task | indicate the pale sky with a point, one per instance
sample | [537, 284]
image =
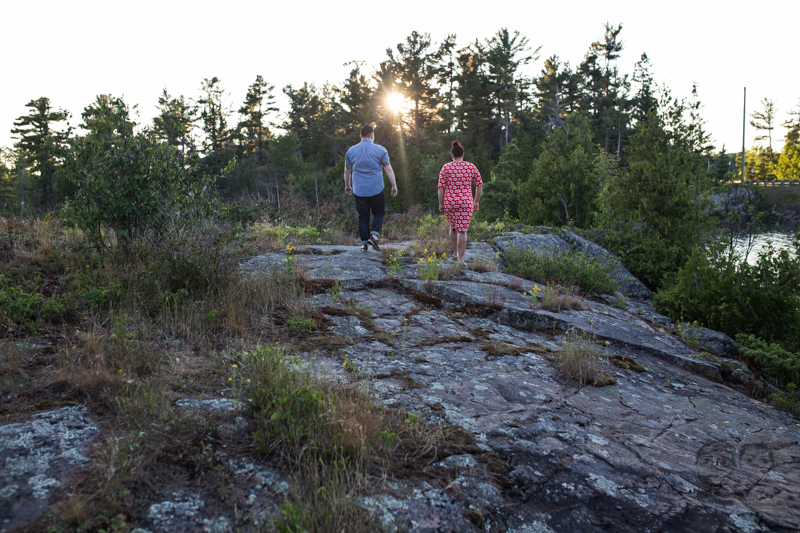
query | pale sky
[72, 51]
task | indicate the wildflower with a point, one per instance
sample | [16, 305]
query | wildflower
[248, 381]
[120, 370]
[230, 379]
[234, 366]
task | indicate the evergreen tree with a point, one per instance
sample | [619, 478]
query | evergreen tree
[556, 92]
[258, 105]
[644, 99]
[305, 107]
[355, 97]
[175, 122]
[39, 143]
[656, 205]
[764, 121]
[415, 70]
[566, 178]
[214, 115]
[788, 167]
[474, 114]
[7, 158]
[505, 54]
[604, 91]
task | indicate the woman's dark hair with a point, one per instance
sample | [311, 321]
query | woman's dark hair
[457, 150]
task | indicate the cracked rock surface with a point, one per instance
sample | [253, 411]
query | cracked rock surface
[665, 446]
[669, 448]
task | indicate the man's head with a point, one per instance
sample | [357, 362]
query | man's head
[367, 132]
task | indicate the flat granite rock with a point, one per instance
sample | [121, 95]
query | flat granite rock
[36, 456]
[665, 448]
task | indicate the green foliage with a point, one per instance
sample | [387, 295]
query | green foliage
[299, 235]
[718, 287]
[655, 208]
[566, 178]
[568, 269]
[301, 324]
[17, 305]
[125, 180]
[781, 364]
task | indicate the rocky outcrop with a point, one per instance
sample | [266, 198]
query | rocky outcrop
[667, 447]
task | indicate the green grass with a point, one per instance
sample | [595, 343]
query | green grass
[568, 269]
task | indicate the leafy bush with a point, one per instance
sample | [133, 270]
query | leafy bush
[124, 180]
[572, 268]
[780, 363]
[720, 289]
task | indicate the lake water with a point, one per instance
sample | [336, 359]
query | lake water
[781, 238]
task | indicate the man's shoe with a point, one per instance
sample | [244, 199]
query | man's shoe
[373, 240]
[365, 247]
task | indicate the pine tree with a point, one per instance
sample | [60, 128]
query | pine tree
[644, 99]
[355, 97]
[505, 54]
[175, 122]
[764, 121]
[788, 167]
[258, 105]
[39, 143]
[556, 91]
[604, 91]
[415, 69]
[214, 114]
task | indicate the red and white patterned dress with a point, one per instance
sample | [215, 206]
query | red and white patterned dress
[456, 179]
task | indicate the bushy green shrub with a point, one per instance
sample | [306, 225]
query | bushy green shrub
[781, 364]
[720, 289]
[563, 268]
[125, 180]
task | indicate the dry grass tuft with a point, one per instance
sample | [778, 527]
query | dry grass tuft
[578, 359]
[556, 299]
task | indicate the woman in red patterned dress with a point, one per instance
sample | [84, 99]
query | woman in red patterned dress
[455, 197]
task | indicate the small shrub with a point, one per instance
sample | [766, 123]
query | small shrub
[301, 324]
[781, 364]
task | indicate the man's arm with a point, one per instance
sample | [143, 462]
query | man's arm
[348, 174]
[478, 191]
[387, 167]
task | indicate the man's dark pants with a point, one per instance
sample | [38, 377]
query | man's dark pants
[377, 205]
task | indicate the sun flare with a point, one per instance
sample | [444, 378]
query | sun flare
[396, 101]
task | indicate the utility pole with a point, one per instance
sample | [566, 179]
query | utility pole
[744, 121]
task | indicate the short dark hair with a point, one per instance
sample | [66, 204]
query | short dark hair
[457, 150]
[366, 130]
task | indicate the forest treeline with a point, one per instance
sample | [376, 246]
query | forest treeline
[586, 147]
[479, 94]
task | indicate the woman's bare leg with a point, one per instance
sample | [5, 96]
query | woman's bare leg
[462, 244]
[453, 235]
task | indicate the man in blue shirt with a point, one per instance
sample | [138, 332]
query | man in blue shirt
[364, 165]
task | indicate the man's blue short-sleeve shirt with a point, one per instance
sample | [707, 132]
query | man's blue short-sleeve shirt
[367, 160]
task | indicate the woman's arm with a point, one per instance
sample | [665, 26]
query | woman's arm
[478, 191]
[441, 198]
